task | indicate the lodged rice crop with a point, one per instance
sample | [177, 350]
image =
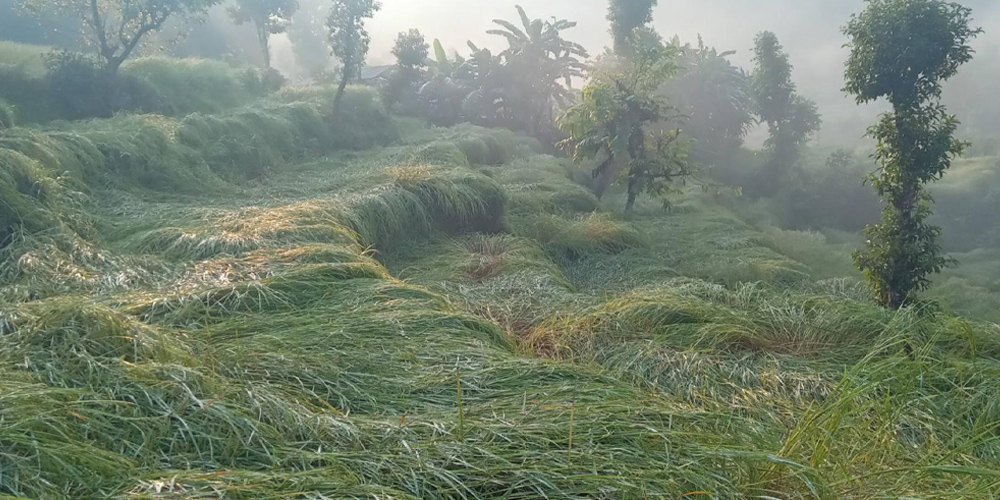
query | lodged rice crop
[450, 315]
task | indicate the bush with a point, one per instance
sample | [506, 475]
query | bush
[78, 85]
[260, 82]
[177, 87]
[362, 121]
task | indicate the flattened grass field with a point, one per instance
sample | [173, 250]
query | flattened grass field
[462, 278]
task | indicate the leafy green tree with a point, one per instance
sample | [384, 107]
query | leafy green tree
[791, 119]
[115, 28]
[902, 50]
[625, 16]
[714, 96]
[349, 39]
[411, 51]
[269, 17]
[539, 68]
[613, 121]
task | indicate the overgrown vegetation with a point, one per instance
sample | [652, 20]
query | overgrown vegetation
[791, 119]
[47, 86]
[916, 140]
[256, 293]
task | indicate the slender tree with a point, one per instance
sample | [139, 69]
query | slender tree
[411, 51]
[349, 39]
[614, 119]
[903, 50]
[269, 17]
[115, 28]
[791, 119]
[625, 16]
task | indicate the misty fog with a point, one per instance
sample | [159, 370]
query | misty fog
[810, 32]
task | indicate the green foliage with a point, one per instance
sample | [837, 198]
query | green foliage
[520, 88]
[349, 39]
[117, 27]
[23, 58]
[791, 119]
[246, 342]
[177, 87]
[916, 141]
[715, 98]
[625, 17]
[411, 51]
[43, 174]
[612, 118]
[73, 86]
[879, 68]
[269, 17]
[79, 86]
[261, 82]
[534, 73]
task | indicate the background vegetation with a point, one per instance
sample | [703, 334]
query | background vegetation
[217, 284]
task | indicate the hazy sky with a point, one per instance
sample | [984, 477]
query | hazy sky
[809, 30]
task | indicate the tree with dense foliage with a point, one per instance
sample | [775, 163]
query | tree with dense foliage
[625, 17]
[442, 96]
[523, 87]
[115, 28]
[411, 51]
[714, 96]
[613, 119]
[791, 119]
[903, 50]
[269, 17]
[349, 39]
[540, 65]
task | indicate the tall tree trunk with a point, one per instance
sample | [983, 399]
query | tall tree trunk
[633, 193]
[905, 204]
[340, 91]
[605, 176]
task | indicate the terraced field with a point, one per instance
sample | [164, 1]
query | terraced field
[262, 305]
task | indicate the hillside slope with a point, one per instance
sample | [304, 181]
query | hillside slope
[452, 316]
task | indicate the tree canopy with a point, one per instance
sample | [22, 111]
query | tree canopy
[714, 97]
[791, 119]
[613, 121]
[625, 16]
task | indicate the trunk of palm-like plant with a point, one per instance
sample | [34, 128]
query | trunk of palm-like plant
[264, 38]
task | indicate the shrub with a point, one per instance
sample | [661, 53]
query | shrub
[178, 87]
[263, 81]
[78, 85]
[362, 120]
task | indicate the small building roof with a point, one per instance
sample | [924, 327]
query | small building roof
[373, 72]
